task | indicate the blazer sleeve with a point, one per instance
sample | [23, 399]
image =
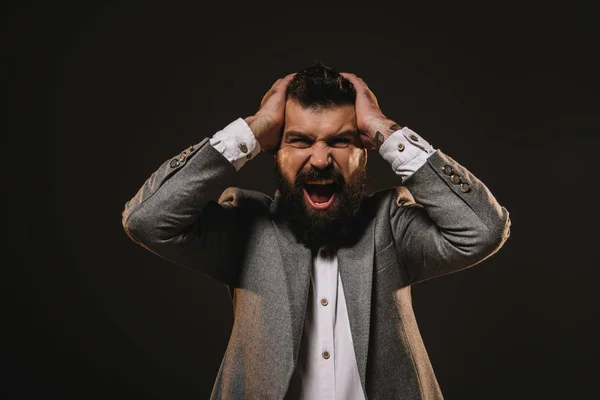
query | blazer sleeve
[454, 223]
[176, 213]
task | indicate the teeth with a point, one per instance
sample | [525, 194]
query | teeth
[320, 182]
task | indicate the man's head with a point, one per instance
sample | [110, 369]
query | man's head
[321, 163]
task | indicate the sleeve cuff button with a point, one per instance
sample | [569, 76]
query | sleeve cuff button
[243, 147]
[454, 178]
[174, 163]
[447, 170]
[400, 146]
[464, 187]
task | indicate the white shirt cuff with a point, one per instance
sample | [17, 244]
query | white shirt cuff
[236, 142]
[406, 151]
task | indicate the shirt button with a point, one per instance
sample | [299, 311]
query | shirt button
[326, 355]
[323, 253]
[324, 302]
[243, 147]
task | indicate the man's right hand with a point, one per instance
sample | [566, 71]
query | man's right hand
[267, 123]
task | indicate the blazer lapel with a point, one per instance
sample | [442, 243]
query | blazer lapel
[296, 267]
[355, 263]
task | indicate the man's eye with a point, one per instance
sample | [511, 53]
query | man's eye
[301, 141]
[340, 141]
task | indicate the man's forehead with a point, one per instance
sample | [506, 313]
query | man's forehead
[330, 120]
[294, 106]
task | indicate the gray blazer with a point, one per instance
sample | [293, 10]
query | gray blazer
[430, 226]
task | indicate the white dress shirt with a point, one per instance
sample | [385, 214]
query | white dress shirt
[326, 367]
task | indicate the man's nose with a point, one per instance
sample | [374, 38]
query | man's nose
[321, 156]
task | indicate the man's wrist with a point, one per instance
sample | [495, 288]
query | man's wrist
[380, 129]
[406, 151]
[254, 124]
[262, 129]
[236, 142]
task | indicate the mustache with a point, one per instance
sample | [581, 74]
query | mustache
[314, 173]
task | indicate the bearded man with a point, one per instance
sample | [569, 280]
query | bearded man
[320, 275]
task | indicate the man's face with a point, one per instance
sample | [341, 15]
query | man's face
[321, 167]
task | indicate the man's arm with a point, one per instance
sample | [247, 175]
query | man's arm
[175, 213]
[454, 221]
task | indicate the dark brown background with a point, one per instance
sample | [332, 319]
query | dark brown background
[100, 95]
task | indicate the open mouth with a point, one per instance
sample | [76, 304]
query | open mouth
[320, 193]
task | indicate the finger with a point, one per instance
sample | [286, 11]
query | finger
[279, 84]
[359, 84]
[287, 79]
[363, 82]
[276, 83]
[352, 78]
[271, 90]
[268, 95]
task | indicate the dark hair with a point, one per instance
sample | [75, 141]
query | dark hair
[319, 87]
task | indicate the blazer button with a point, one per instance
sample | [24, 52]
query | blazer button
[324, 302]
[400, 146]
[174, 163]
[464, 187]
[243, 147]
[454, 178]
[326, 355]
[447, 170]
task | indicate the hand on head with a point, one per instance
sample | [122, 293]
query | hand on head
[267, 123]
[367, 109]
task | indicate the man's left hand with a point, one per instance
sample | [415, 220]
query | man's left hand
[374, 127]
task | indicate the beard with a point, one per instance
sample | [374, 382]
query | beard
[317, 227]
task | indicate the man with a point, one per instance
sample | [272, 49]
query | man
[320, 275]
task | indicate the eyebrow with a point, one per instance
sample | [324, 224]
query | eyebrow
[348, 132]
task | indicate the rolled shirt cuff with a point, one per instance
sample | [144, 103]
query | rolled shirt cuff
[236, 142]
[406, 151]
